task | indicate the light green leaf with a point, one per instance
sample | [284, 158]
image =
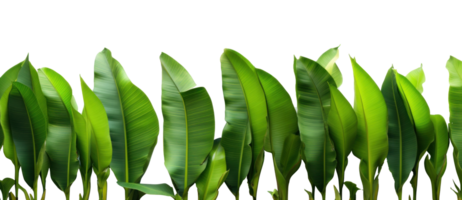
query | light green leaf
[436, 165]
[28, 128]
[402, 140]
[61, 138]
[371, 144]
[5, 185]
[313, 97]
[342, 129]
[133, 122]
[417, 78]
[151, 189]
[83, 148]
[327, 56]
[214, 174]
[352, 189]
[189, 125]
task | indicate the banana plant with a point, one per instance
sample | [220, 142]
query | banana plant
[313, 102]
[100, 147]
[402, 140]
[246, 121]
[83, 149]
[454, 67]
[327, 60]
[189, 125]
[133, 123]
[435, 166]
[214, 174]
[371, 145]
[419, 113]
[284, 138]
[151, 189]
[6, 187]
[24, 121]
[343, 125]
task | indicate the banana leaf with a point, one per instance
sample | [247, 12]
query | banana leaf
[284, 138]
[133, 122]
[417, 78]
[371, 145]
[83, 149]
[352, 189]
[61, 139]
[214, 174]
[246, 126]
[402, 140]
[313, 101]
[327, 60]
[189, 125]
[343, 125]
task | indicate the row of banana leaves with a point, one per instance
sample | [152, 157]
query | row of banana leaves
[44, 132]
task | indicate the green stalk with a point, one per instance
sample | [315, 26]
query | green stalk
[102, 189]
[415, 173]
[67, 193]
[16, 179]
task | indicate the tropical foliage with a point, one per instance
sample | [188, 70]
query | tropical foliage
[44, 132]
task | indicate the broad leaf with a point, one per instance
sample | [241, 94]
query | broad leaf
[254, 97]
[402, 140]
[133, 122]
[189, 125]
[83, 132]
[61, 138]
[28, 128]
[417, 78]
[327, 60]
[371, 144]
[98, 127]
[343, 126]
[313, 98]
[214, 174]
[151, 189]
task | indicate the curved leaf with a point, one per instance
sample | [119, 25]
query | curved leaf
[83, 131]
[371, 144]
[343, 126]
[257, 111]
[417, 78]
[101, 147]
[152, 189]
[5, 185]
[326, 56]
[313, 98]
[214, 174]
[454, 67]
[236, 135]
[133, 122]
[61, 138]
[28, 129]
[189, 125]
[402, 140]
[352, 189]
[281, 116]
[419, 111]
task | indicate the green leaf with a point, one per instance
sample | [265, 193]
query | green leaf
[313, 97]
[417, 78]
[274, 194]
[352, 189]
[454, 67]
[310, 195]
[371, 144]
[439, 147]
[28, 128]
[152, 189]
[282, 119]
[133, 122]
[336, 73]
[189, 125]
[257, 111]
[101, 148]
[61, 138]
[342, 129]
[83, 148]
[5, 185]
[402, 140]
[214, 174]
[328, 55]
[6, 82]
[337, 194]
[246, 121]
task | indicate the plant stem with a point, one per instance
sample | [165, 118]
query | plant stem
[415, 173]
[67, 193]
[102, 189]
[16, 179]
